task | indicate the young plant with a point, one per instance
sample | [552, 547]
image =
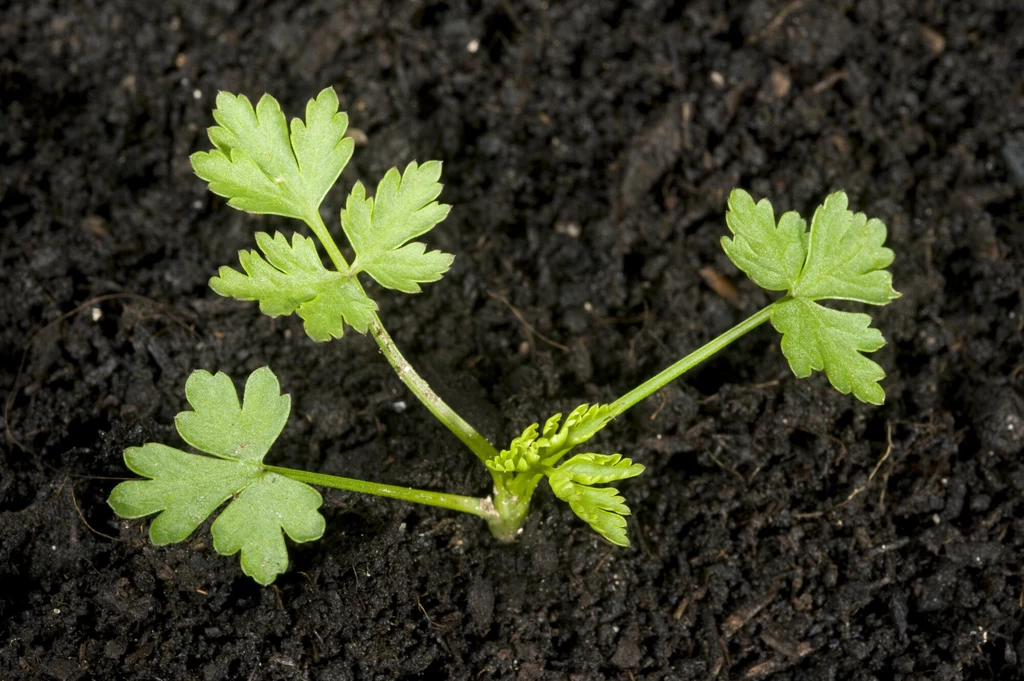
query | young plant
[262, 166]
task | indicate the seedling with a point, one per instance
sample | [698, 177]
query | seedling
[261, 166]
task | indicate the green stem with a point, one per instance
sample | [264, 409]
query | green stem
[469, 436]
[476, 442]
[316, 223]
[673, 372]
[483, 508]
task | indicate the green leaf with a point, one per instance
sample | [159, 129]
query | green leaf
[845, 257]
[601, 507]
[292, 278]
[522, 455]
[771, 256]
[380, 228]
[185, 489]
[535, 450]
[842, 258]
[252, 524]
[582, 423]
[595, 469]
[816, 338]
[261, 168]
[224, 428]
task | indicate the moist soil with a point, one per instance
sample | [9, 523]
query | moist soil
[781, 530]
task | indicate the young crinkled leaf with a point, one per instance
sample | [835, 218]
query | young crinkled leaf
[601, 507]
[262, 168]
[842, 258]
[185, 489]
[292, 278]
[380, 228]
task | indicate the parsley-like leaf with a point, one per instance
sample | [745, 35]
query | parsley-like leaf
[380, 228]
[185, 489]
[261, 168]
[845, 257]
[818, 338]
[222, 426]
[522, 455]
[601, 507]
[292, 278]
[771, 256]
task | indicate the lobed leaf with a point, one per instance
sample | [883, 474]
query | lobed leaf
[842, 258]
[772, 256]
[845, 257]
[600, 507]
[593, 469]
[252, 524]
[262, 168]
[185, 489]
[522, 455]
[816, 338]
[381, 228]
[580, 425]
[292, 278]
[221, 426]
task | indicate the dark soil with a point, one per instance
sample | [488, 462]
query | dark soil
[781, 531]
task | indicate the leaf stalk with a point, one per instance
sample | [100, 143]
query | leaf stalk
[671, 373]
[461, 428]
[482, 508]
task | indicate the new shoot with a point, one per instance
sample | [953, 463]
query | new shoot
[260, 164]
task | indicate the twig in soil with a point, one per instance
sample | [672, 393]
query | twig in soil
[604, 559]
[661, 406]
[430, 622]
[252, 675]
[763, 670]
[739, 619]
[74, 501]
[881, 494]
[530, 330]
[725, 289]
[727, 469]
[874, 471]
[67, 315]
[854, 493]
[776, 21]
[828, 81]
[888, 546]
[786, 646]
[725, 654]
